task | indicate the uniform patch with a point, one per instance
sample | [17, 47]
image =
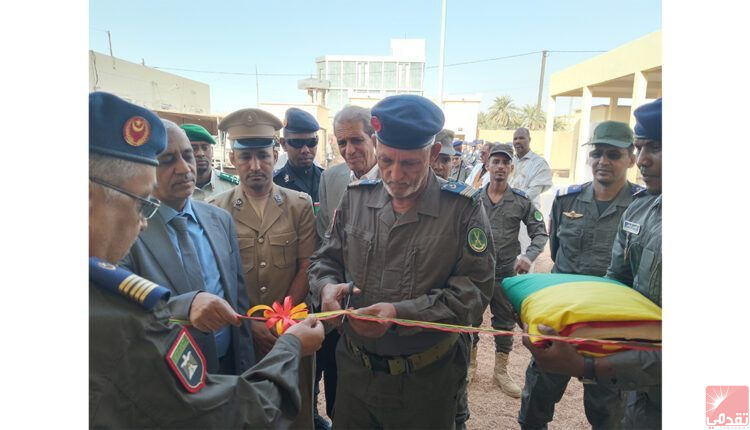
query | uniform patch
[573, 215]
[631, 227]
[364, 182]
[520, 193]
[460, 189]
[538, 216]
[576, 188]
[136, 131]
[187, 362]
[477, 240]
[229, 178]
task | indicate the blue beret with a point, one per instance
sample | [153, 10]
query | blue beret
[406, 121]
[458, 143]
[648, 121]
[299, 121]
[123, 130]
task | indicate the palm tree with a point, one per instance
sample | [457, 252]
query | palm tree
[531, 117]
[503, 112]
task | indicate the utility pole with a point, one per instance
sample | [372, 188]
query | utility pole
[257, 88]
[442, 54]
[109, 39]
[545, 53]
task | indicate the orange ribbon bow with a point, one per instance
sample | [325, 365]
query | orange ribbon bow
[280, 316]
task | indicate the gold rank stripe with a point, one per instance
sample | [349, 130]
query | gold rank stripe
[468, 192]
[136, 287]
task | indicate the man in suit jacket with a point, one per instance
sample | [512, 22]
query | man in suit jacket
[354, 135]
[191, 248]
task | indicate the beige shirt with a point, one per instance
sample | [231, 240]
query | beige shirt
[270, 246]
[214, 187]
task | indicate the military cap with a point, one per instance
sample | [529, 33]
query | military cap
[196, 133]
[502, 148]
[123, 130]
[406, 121]
[250, 128]
[299, 121]
[648, 121]
[612, 133]
[458, 143]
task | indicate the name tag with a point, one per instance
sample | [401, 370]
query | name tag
[631, 227]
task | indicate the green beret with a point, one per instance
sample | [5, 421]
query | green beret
[196, 133]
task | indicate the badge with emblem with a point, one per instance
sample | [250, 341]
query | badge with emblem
[572, 215]
[286, 177]
[136, 131]
[187, 362]
[238, 203]
[631, 227]
[277, 198]
[538, 216]
[477, 240]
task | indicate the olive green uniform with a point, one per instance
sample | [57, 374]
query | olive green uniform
[434, 263]
[505, 218]
[581, 243]
[636, 261]
[220, 182]
[132, 386]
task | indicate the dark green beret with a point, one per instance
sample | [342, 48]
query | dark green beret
[196, 133]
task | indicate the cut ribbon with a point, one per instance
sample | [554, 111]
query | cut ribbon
[280, 316]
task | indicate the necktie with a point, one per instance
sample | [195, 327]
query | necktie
[190, 261]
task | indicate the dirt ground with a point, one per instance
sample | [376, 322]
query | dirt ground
[490, 408]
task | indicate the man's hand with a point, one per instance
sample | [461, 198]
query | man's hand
[331, 297]
[523, 264]
[558, 357]
[310, 333]
[373, 328]
[210, 313]
[263, 338]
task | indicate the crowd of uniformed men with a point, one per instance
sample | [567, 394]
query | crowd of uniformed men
[413, 225]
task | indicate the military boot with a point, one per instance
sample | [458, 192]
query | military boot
[473, 362]
[502, 378]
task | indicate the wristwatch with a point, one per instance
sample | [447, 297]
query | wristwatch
[589, 370]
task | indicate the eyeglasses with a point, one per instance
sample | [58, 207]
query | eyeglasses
[311, 142]
[148, 206]
[612, 154]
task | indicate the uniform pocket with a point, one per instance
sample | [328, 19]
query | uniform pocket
[247, 252]
[283, 249]
[357, 246]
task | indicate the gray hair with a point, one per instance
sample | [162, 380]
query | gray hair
[172, 127]
[352, 113]
[116, 171]
[445, 135]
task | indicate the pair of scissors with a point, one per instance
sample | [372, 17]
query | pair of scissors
[348, 298]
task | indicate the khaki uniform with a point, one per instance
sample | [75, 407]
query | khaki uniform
[580, 242]
[434, 263]
[269, 249]
[220, 182]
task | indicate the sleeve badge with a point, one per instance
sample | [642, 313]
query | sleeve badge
[477, 240]
[187, 362]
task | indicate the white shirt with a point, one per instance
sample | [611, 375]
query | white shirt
[531, 175]
[374, 173]
[474, 172]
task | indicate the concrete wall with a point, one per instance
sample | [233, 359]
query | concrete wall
[146, 86]
[461, 117]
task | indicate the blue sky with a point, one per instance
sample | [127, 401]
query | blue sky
[286, 36]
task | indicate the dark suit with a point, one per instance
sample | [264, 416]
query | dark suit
[153, 257]
[333, 183]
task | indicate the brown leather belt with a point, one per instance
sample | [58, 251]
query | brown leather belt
[404, 364]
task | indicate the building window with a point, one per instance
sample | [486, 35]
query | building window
[363, 74]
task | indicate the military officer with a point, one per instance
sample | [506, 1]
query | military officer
[384, 239]
[442, 164]
[275, 230]
[208, 181]
[300, 142]
[636, 261]
[583, 224]
[459, 171]
[508, 208]
[143, 370]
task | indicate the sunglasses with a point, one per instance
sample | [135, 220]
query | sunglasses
[310, 142]
[612, 154]
[148, 206]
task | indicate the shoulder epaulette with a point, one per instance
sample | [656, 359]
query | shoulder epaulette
[573, 189]
[364, 182]
[119, 281]
[636, 189]
[519, 192]
[229, 178]
[641, 192]
[461, 189]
